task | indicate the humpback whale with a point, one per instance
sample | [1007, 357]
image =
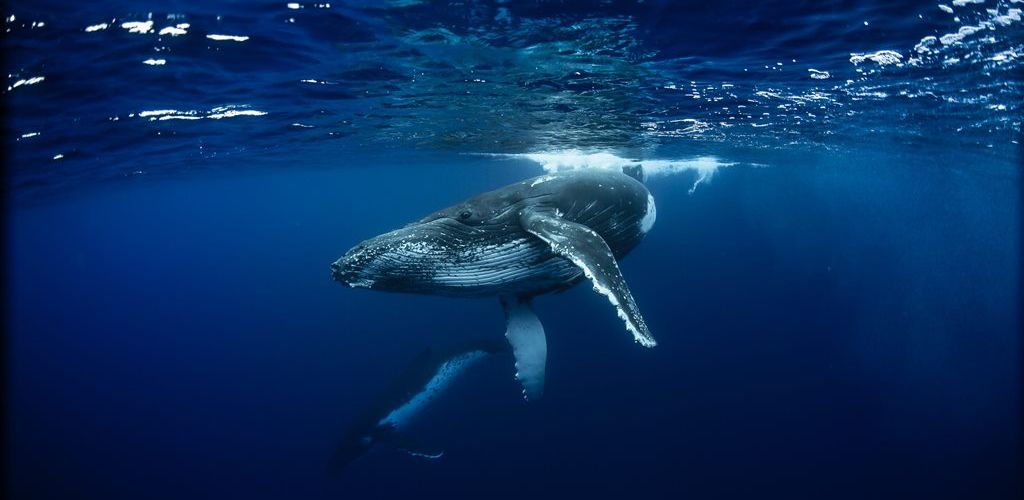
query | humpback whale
[387, 419]
[533, 237]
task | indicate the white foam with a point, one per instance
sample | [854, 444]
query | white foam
[179, 29]
[233, 38]
[693, 126]
[574, 159]
[882, 57]
[925, 45]
[1006, 55]
[96, 27]
[236, 112]
[138, 26]
[705, 166]
[818, 74]
[556, 161]
[27, 81]
[157, 112]
[997, 17]
[155, 62]
[1011, 16]
[964, 31]
[217, 113]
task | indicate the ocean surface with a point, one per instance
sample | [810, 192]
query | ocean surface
[833, 277]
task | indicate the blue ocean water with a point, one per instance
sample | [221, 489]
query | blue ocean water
[833, 276]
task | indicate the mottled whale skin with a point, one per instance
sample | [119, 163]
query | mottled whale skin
[537, 236]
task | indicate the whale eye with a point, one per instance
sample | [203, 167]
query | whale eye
[465, 215]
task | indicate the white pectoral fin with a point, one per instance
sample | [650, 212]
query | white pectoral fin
[588, 251]
[525, 334]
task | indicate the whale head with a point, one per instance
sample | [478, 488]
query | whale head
[439, 251]
[403, 260]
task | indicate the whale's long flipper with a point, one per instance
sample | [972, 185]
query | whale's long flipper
[529, 346]
[588, 251]
[386, 420]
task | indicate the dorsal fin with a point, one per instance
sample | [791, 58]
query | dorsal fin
[635, 171]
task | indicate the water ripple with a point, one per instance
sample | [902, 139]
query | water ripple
[500, 77]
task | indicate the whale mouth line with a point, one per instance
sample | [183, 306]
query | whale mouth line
[340, 274]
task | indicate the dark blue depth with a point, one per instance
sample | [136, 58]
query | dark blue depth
[823, 333]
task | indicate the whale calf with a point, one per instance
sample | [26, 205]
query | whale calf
[533, 237]
[387, 419]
